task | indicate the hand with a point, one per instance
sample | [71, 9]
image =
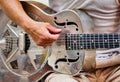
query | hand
[42, 33]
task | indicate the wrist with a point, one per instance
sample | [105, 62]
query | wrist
[26, 24]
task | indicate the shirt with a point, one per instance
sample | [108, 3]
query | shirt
[104, 13]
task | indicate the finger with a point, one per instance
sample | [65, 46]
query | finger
[53, 30]
[50, 37]
[55, 36]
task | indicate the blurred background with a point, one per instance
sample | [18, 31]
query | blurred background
[43, 1]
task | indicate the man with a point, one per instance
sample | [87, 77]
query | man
[105, 15]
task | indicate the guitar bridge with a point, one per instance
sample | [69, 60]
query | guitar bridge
[24, 42]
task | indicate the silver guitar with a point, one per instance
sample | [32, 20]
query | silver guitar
[66, 55]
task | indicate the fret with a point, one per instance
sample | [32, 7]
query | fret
[67, 40]
[103, 41]
[81, 41]
[72, 41]
[85, 41]
[111, 41]
[75, 41]
[106, 41]
[77, 38]
[88, 41]
[116, 40]
[77, 47]
[91, 41]
[72, 47]
[89, 38]
[119, 39]
[78, 42]
[96, 40]
[101, 44]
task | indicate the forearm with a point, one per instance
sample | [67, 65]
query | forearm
[15, 12]
[44, 34]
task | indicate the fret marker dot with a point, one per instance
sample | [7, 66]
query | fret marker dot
[68, 36]
[92, 41]
[80, 35]
[81, 46]
[105, 40]
[69, 47]
[74, 41]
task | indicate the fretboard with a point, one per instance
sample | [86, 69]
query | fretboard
[91, 41]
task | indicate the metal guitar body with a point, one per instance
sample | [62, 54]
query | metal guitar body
[61, 59]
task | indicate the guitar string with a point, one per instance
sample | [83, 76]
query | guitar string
[110, 40]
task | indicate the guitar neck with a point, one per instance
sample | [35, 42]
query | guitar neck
[91, 41]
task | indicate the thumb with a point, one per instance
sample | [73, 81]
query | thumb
[53, 30]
